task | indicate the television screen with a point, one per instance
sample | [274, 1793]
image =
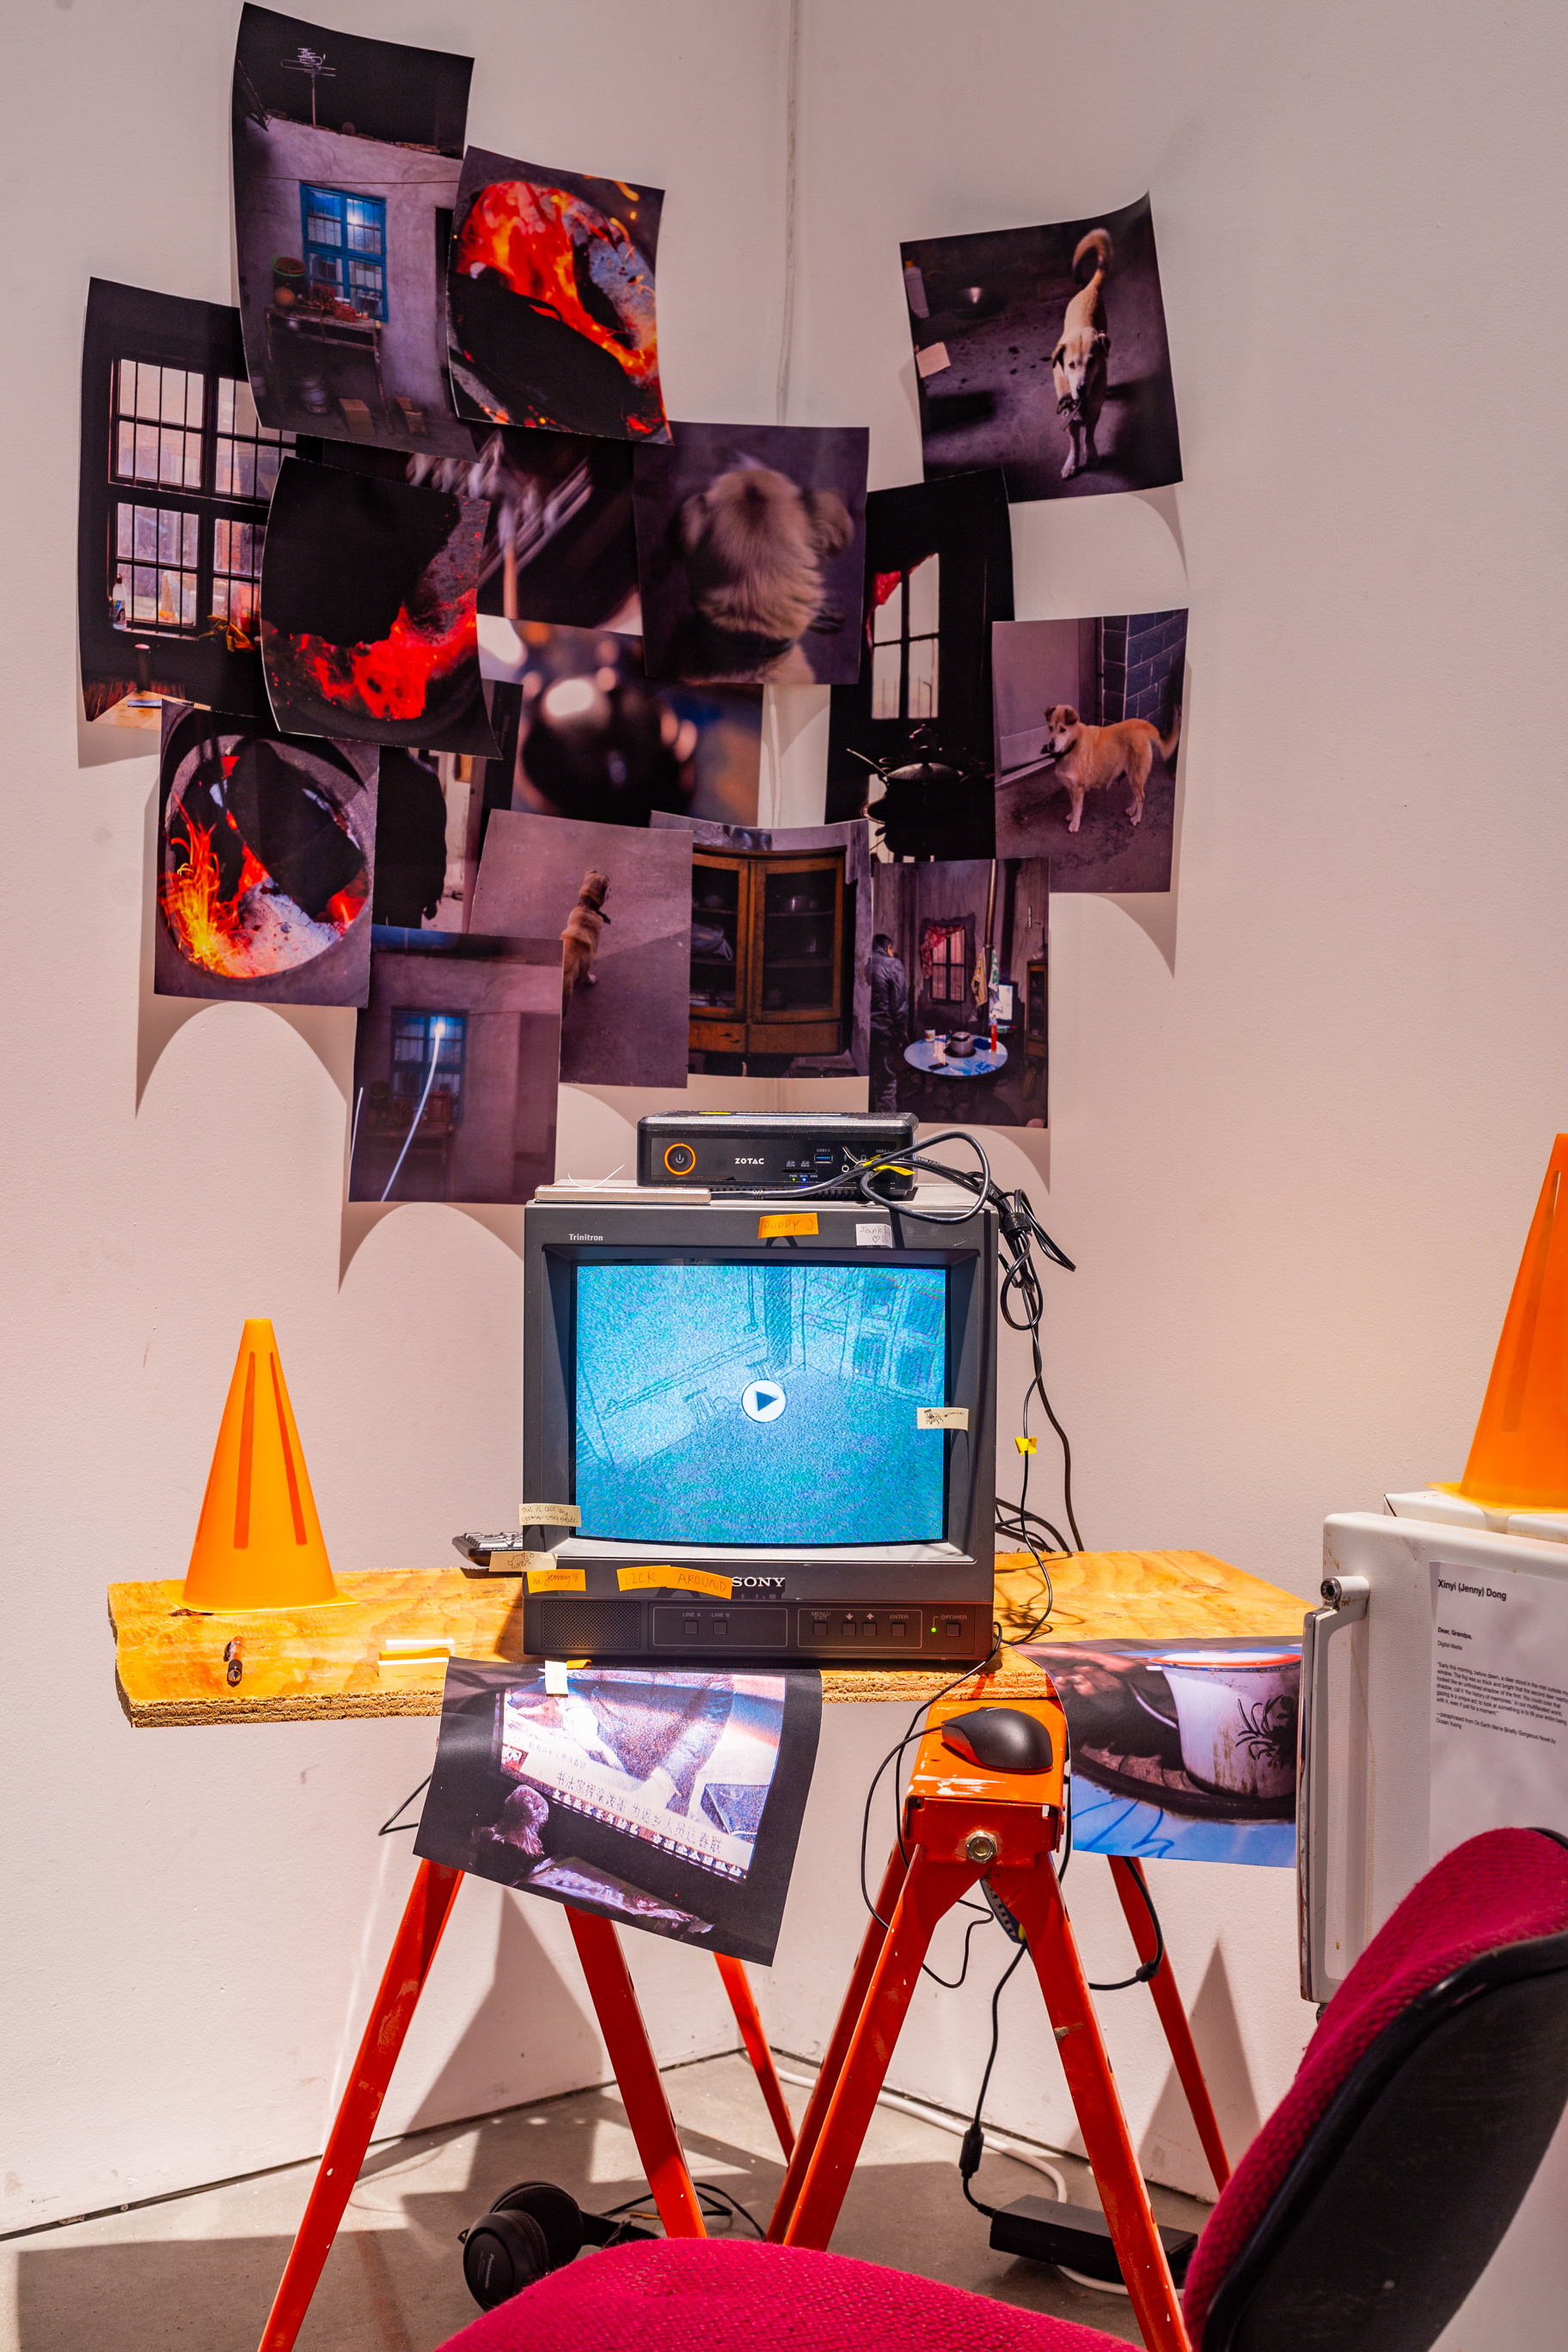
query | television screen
[760, 1403]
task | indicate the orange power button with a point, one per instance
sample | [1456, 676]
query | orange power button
[680, 1159]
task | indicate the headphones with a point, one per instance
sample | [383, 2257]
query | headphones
[532, 2228]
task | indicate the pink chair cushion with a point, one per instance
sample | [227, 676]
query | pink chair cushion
[685, 2295]
[1506, 1886]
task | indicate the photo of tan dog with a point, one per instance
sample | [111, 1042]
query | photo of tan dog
[754, 545]
[1091, 759]
[751, 553]
[1080, 363]
[581, 937]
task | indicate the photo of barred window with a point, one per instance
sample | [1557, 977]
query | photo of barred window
[664, 1798]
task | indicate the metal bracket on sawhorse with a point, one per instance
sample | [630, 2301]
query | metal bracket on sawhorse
[962, 1824]
[620, 2019]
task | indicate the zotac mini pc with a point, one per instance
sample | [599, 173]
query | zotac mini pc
[780, 1443]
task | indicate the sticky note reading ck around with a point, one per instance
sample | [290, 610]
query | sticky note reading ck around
[680, 1580]
[799, 1220]
[548, 1515]
[557, 1580]
[942, 1416]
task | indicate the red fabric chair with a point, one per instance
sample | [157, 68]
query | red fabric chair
[1360, 2218]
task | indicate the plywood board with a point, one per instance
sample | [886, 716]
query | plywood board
[323, 1662]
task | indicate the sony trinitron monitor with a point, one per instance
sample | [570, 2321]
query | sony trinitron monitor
[739, 1152]
[782, 1446]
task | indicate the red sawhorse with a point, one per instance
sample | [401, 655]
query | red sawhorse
[961, 1824]
[620, 2022]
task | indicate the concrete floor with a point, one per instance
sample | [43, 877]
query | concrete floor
[201, 2270]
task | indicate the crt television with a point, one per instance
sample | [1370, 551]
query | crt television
[782, 1446]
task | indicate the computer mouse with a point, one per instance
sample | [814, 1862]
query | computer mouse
[1000, 1739]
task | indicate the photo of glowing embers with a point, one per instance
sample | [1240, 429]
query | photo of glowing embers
[264, 852]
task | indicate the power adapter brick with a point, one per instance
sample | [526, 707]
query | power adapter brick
[1077, 2237]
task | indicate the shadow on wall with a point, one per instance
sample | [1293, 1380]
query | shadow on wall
[1229, 2078]
[531, 2015]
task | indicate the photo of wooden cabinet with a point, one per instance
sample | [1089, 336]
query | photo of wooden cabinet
[767, 954]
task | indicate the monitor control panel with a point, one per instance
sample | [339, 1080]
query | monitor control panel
[817, 1630]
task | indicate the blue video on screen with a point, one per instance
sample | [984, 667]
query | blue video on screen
[760, 1404]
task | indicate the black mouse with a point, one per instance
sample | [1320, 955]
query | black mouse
[1000, 1739]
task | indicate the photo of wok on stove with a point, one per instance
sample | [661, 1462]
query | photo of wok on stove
[1204, 1728]
[264, 863]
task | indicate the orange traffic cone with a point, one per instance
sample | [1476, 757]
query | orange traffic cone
[1518, 1459]
[259, 1541]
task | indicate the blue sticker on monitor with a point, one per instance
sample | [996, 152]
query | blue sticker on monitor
[760, 1404]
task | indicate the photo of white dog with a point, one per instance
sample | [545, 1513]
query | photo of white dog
[751, 548]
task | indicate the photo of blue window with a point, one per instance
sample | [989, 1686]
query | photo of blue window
[346, 247]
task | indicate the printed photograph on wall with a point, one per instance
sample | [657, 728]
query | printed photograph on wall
[347, 154]
[1088, 718]
[910, 745]
[550, 299]
[780, 949]
[1043, 351]
[457, 1058]
[958, 954]
[662, 1799]
[368, 618]
[1182, 1749]
[751, 552]
[264, 851]
[583, 734]
[176, 474]
[621, 905]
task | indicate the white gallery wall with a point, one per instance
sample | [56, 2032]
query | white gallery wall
[1299, 1108]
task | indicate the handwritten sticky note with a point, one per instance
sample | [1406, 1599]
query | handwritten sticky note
[557, 1580]
[942, 1416]
[679, 1580]
[548, 1515]
[798, 1221]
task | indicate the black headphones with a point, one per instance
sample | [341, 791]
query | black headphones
[529, 2229]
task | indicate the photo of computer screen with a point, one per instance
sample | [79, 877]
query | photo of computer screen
[747, 1404]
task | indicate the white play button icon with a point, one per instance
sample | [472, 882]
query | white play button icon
[763, 1401]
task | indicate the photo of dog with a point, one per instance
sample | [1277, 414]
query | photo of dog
[623, 983]
[1080, 365]
[751, 548]
[1088, 720]
[585, 925]
[1043, 351]
[1091, 759]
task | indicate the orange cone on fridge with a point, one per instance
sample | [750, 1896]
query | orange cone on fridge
[259, 1541]
[1518, 1459]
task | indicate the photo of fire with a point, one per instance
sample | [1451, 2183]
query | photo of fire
[264, 865]
[550, 300]
[369, 611]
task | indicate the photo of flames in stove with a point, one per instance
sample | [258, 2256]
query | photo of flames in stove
[265, 855]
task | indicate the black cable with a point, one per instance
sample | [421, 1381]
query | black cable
[719, 2197]
[972, 2145]
[391, 1825]
[1150, 1967]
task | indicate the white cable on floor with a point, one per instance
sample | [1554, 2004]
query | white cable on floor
[998, 2146]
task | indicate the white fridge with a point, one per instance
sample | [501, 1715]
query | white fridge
[1395, 1769]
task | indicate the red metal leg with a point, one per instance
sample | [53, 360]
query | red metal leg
[1128, 1877]
[743, 2001]
[837, 2049]
[930, 1892]
[1034, 1900]
[424, 1917]
[648, 2109]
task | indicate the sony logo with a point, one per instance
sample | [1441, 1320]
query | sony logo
[759, 1583]
[584, 1238]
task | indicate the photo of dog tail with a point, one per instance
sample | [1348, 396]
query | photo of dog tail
[1098, 242]
[1167, 744]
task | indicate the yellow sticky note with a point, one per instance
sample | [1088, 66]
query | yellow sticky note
[798, 1221]
[682, 1579]
[1025, 1444]
[942, 1416]
[557, 1580]
[548, 1515]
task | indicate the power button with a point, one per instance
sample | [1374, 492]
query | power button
[680, 1159]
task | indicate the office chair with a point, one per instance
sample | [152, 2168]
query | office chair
[1360, 2218]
